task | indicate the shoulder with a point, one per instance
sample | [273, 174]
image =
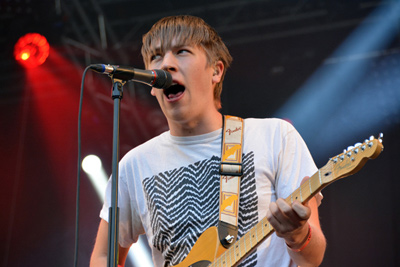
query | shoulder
[269, 125]
[270, 122]
[147, 147]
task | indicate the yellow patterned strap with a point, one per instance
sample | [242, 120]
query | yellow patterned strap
[232, 138]
[231, 171]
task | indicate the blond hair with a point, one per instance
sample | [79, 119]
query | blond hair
[187, 30]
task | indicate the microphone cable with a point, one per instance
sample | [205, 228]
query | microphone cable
[79, 171]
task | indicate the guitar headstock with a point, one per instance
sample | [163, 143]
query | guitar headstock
[353, 159]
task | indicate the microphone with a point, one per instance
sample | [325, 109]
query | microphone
[156, 78]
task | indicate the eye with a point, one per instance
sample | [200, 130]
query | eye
[155, 57]
[183, 51]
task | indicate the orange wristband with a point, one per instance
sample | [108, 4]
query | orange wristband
[305, 243]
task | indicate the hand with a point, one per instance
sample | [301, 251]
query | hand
[290, 221]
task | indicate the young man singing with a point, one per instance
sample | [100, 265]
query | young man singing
[169, 187]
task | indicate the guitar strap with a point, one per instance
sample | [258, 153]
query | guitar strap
[231, 171]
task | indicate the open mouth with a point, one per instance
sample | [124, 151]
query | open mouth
[174, 91]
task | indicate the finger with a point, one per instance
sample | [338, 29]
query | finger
[302, 211]
[279, 215]
[288, 215]
[272, 215]
[271, 218]
[272, 212]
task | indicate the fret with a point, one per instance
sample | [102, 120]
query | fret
[215, 263]
[301, 197]
[309, 183]
[237, 250]
[242, 247]
[262, 229]
[253, 237]
[320, 179]
[234, 252]
[259, 235]
[250, 239]
[225, 261]
[244, 241]
[230, 258]
[306, 193]
[315, 185]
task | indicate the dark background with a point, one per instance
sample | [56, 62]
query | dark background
[331, 67]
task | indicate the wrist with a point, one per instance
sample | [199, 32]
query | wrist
[299, 246]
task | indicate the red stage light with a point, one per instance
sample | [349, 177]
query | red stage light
[31, 50]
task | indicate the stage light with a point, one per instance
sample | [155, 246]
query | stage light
[31, 50]
[355, 92]
[92, 165]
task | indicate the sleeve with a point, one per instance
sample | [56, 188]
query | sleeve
[130, 224]
[294, 161]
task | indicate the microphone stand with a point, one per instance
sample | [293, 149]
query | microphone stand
[113, 215]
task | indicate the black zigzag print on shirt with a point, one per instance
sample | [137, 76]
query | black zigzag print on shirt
[248, 205]
[184, 202]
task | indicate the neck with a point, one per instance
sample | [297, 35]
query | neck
[196, 126]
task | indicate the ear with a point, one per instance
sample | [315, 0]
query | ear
[218, 71]
[152, 92]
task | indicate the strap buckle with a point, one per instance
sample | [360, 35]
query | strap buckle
[231, 169]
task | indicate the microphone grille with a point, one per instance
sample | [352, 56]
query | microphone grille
[163, 79]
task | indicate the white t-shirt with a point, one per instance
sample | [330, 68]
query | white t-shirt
[169, 188]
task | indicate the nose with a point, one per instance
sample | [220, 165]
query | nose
[169, 62]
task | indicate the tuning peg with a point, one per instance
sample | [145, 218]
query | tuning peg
[380, 137]
[371, 138]
[357, 144]
[370, 144]
[348, 152]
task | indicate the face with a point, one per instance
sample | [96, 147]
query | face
[191, 100]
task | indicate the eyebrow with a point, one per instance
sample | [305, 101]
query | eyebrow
[157, 49]
[161, 49]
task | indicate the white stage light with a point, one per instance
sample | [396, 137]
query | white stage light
[91, 164]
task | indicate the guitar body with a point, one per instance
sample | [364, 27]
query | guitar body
[206, 249]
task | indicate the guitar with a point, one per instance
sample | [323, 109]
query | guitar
[208, 251]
